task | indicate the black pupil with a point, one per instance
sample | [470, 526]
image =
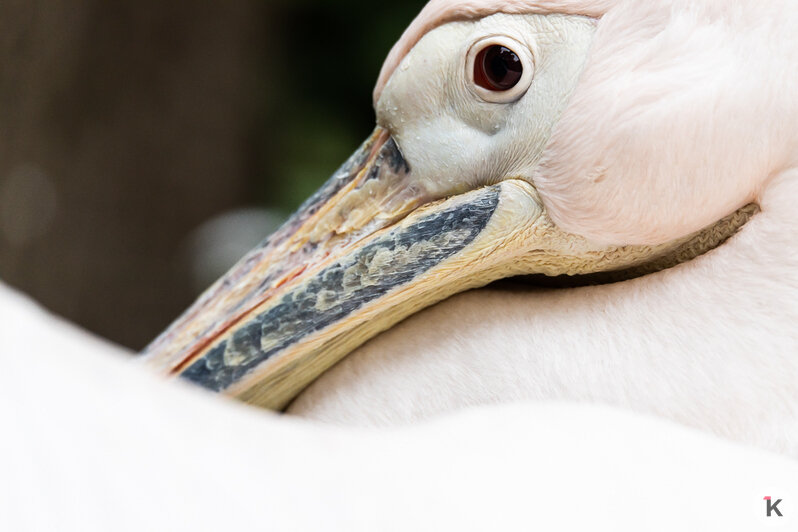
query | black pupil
[498, 68]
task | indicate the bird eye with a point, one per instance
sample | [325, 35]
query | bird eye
[500, 69]
[497, 68]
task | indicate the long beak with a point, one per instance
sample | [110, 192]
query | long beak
[368, 250]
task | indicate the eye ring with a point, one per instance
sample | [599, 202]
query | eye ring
[499, 69]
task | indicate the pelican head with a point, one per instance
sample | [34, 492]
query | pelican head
[556, 137]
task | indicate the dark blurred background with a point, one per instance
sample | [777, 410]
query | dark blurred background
[144, 144]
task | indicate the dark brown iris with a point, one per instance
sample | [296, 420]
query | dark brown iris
[497, 68]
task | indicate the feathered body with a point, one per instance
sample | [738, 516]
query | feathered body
[95, 443]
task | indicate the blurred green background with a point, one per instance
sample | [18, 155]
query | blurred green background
[319, 70]
[144, 143]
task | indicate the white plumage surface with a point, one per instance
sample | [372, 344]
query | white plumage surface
[93, 442]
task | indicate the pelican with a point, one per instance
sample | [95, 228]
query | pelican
[650, 142]
[647, 140]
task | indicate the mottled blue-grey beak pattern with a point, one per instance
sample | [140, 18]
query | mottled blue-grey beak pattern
[297, 303]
